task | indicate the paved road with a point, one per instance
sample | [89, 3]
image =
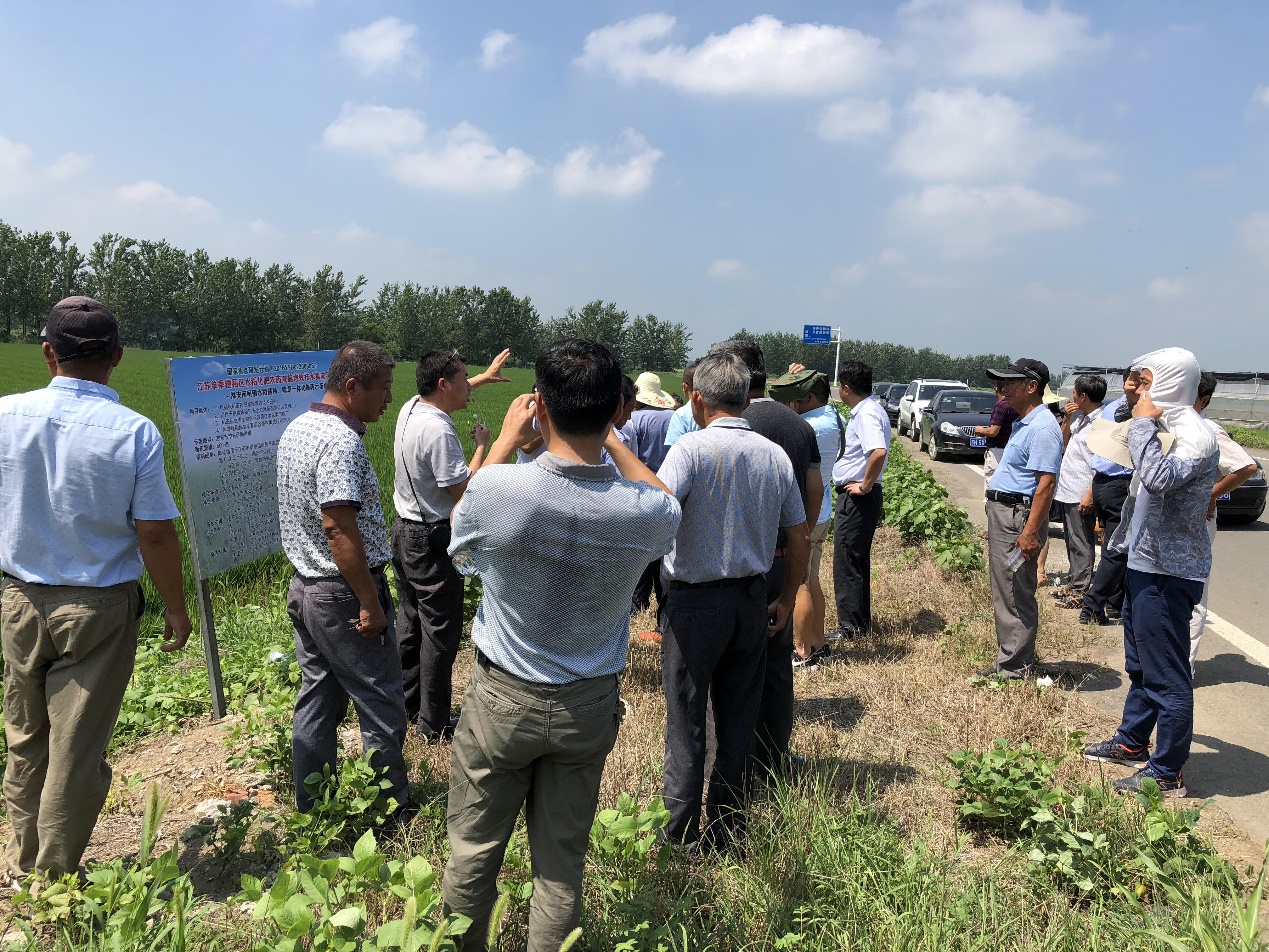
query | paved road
[1230, 758]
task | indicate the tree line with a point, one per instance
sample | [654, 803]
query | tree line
[167, 298]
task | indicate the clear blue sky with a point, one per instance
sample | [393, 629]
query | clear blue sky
[1076, 182]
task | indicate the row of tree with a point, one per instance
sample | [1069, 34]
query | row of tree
[894, 362]
[170, 299]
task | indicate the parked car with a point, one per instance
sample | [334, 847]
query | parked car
[1246, 503]
[891, 401]
[942, 420]
[917, 398]
[879, 390]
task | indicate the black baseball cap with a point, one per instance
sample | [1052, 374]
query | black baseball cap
[1024, 368]
[80, 327]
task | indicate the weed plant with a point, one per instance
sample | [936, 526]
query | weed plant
[916, 505]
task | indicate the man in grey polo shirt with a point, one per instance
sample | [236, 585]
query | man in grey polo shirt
[334, 534]
[431, 475]
[737, 489]
[559, 543]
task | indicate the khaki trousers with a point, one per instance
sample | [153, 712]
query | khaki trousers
[540, 747]
[68, 655]
[1013, 599]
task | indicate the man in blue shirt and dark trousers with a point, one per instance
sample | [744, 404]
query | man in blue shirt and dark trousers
[86, 508]
[1018, 499]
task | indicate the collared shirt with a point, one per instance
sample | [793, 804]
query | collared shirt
[1077, 473]
[429, 458]
[77, 470]
[830, 435]
[738, 490]
[1003, 416]
[559, 547]
[1035, 447]
[322, 463]
[783, 427]
[1099, 463]
[681, 422]
[645, 435]
[868, 430]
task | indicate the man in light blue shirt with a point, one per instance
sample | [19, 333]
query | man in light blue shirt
[682, 421]
[87, 509]
[1018, 499]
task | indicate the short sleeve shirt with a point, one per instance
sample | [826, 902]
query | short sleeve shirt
[77, 470]
[559, 563]
[737, 490]
[868, 431]
[829, 429]
[322, 463]
[681, 422]
[783, 427]
[1034, 448]
[1003, 416]
[429, 458]
[1077, 471]
[645, 435]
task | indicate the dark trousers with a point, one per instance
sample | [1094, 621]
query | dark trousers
[1107, 590]
[1157, 611]
[857, 518]
[337, 663]
[648, 584]
[713, 654]
[775, 716]
[430, 591]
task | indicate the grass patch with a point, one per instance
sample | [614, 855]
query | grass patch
[1256, 439]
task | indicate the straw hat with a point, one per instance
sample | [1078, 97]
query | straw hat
[648, 392]
[1109, 440]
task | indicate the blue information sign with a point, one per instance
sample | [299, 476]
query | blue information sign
[230, 413]
[817, 334]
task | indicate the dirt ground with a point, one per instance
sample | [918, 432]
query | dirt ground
[881, 718]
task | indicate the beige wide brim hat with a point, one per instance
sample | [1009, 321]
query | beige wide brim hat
[1109, 440]
[648, 392]
[1050, 396]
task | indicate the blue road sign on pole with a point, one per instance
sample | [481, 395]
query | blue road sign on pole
[817, 334]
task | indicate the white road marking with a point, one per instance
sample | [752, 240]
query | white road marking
[1248, 645]
[977, 469]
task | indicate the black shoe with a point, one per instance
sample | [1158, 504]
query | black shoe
[1113, 616]
[1094, 618]
[1113, 752]
[843, 634]
[1168, 786]
[1000, 674]
[812, 662]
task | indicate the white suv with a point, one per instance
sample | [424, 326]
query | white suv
[920, 393]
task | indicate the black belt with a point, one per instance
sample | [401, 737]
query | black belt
[1103, 477]
[417, 522]
[1009, 499]
[716, 583]
[779, 553]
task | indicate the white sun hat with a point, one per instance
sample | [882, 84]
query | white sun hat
[648, 392]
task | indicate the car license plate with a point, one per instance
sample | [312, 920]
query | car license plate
[978, 442]
[1224, 498]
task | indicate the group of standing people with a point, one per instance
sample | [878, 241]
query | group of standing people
[1148, 469]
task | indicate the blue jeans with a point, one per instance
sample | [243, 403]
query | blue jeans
[1157, 612]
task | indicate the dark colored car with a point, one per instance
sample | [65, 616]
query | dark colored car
[1246, 503]
[879, 390]
[891, 401]
[949, 411]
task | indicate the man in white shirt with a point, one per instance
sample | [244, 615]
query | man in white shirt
[1075, 487]
[431, 476]
[857, 476]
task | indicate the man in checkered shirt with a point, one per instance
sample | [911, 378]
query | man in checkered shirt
[559, 544]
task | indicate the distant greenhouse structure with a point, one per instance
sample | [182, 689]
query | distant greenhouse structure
[1242, 397]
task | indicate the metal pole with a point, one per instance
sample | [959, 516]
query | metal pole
[207, 622]
[837, 362]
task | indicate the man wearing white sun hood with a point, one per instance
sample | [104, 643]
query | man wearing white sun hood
[1169, 556]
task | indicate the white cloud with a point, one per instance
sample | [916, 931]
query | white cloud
[1262, 97]
[1254, 232]
[849, 274]
[764, 57]
[892, 258]
[961, 135]
[384, 45]
[582, 172]
[1000, 39]
[378, 130]
[352, 233]
[1163, 288]
[967, 221]
[155, 196]
[725, 269]
[853, 120]
[262, 229]
[496, 48]
[20, 172]
[463, 159]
